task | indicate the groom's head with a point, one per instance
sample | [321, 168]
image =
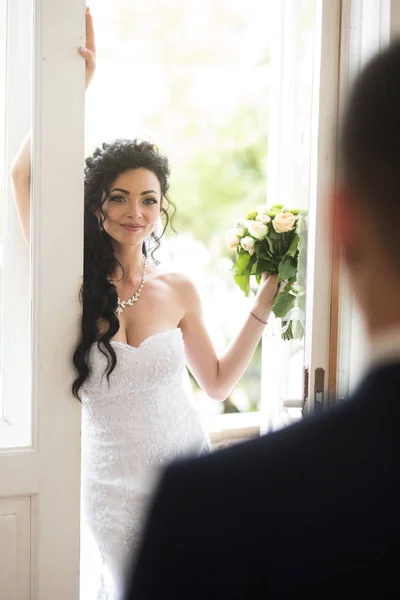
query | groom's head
[367, 207]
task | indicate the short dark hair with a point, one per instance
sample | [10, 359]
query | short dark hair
[369, 144]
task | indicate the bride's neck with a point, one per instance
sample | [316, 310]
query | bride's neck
[132, 261]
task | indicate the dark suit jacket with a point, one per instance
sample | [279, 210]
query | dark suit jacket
[313, 509]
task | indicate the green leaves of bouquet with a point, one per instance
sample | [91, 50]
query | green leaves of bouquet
[266, 240]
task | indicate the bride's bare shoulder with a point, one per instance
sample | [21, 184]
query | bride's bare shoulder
[179, 283]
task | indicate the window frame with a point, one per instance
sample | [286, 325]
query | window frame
[360, 38]
[15, 396]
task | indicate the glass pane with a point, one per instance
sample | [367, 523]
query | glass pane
[15, 114]
[289, 162]
[3, 14]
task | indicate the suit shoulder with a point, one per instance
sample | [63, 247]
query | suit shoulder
[299, 448]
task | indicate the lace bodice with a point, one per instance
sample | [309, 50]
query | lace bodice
[147, 403]
[133, 424]
[162, 352]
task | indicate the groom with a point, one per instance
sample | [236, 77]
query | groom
[313, 509]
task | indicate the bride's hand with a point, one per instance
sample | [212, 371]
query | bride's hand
[89, 50]
[266, 295]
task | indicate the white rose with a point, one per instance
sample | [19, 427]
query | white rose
[263, 218]
[262, 214]
[257, 229]
[232, 240]
[247, 244]
[284, 222]
[241, 223]
[239, 231]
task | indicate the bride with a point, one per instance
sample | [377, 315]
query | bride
[140, 328]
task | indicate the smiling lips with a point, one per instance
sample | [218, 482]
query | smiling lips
[132, 228]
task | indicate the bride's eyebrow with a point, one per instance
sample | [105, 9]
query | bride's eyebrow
[120, 190]
[149, 192]
[128, 193]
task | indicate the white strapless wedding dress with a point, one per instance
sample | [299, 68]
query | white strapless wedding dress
[131, 427]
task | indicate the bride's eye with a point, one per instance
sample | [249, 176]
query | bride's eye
[116, 198]
[150, 201]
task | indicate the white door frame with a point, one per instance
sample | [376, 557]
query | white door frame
[323, 165]
[40, 484]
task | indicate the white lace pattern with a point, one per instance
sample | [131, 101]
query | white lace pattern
[134, 424]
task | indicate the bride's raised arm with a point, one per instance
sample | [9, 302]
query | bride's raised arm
[20, 172]
[218, 375]
[89, 51]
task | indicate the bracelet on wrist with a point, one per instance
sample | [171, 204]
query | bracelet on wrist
[260, 320]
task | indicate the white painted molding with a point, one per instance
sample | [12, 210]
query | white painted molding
[365, 30]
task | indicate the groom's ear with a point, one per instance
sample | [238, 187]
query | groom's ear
[347, 224]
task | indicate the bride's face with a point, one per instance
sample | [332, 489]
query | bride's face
[132, 208]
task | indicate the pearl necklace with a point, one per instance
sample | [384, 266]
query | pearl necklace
[131, 301]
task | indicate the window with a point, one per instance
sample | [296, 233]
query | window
[293, 51]
[15, 107]
[301, 171]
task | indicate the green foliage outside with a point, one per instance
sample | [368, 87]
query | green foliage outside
[217, 186]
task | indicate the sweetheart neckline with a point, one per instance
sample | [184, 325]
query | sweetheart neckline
[150, 337]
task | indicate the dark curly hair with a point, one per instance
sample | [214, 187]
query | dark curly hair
[98, 295]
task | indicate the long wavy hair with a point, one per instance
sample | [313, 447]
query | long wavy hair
[98, 295]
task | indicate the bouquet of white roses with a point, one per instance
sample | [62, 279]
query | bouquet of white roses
[266, 240]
